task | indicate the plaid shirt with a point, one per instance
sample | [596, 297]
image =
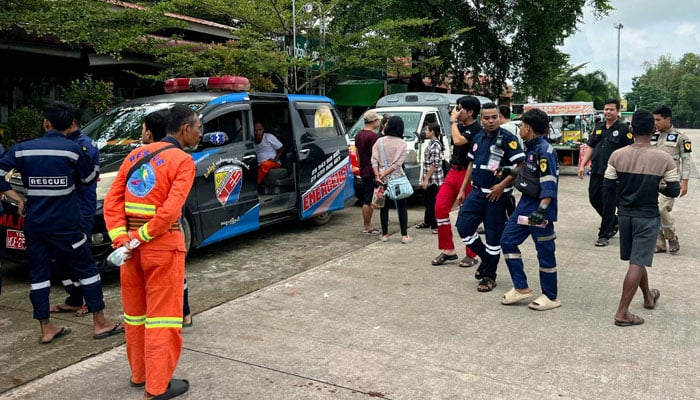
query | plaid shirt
[433, 156]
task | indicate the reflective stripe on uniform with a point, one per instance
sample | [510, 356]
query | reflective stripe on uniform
[143, 233]
[548, 178]
[512, 256]
[493, 250]
[80, 243]
[50, 192]
[52, 152]
[548, 270]
[546, 238]
[120, 230]
[90, 280]
[92, 175]
[40, 285]
[470, 239]
[139, 208]
[164, 322]
[134, 320]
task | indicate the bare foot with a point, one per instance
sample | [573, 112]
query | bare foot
[49, 331]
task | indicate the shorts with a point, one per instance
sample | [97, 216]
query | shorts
[638, 239]
[368, 185]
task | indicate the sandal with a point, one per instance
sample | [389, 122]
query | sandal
[486, 285]
[673, 245]
[442, 258]
[659, 250]
[468, 262]
[601, 242]
[614, 231]
[479, 271]
[422, 225]
[513, 296]
[371, 232]
[82, 312]
[634, 320]
[63, 308]
[544, 303]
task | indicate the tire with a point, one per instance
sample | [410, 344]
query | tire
[186, 229]
[321, 219]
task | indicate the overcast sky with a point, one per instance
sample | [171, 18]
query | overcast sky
[650, 29]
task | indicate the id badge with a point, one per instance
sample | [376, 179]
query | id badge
[495, 156]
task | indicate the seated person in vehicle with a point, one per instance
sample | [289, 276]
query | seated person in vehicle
[269, 150]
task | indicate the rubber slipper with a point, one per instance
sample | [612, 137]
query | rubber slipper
[442, 258]
[176, 387]
[601, 242]
[634, 321]
[189, 325]
[543, 303]
[513, 296]
[371, 232]
[673, 245]
[137, 385]
[118, 328]
[63, 332]
[659, 250]
[656, 294]
[63, 309]
[82, 312]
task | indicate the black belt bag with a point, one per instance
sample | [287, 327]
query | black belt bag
[528, 183]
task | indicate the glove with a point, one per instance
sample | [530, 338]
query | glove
[538, 216]
[505, 171]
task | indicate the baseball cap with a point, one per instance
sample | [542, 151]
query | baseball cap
[370, 116]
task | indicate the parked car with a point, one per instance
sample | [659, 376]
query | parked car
[225, 200]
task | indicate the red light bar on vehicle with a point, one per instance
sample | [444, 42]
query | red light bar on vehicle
[226, 82]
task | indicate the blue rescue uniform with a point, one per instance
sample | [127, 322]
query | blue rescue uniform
[477, 208]
[52, 166]
[87, 197]
[542, 165]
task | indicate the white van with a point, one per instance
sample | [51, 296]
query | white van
[417, 109]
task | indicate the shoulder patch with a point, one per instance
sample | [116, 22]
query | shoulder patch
[513, 144]
[687, 146]
[672, 137]
[598, 131]
[629, 135]
[543, 165]
[85, 149]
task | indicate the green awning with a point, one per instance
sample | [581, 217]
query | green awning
[357, 93]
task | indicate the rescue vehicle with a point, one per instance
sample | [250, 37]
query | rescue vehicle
[225, 201]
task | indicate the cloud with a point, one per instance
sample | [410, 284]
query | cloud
[650, 30]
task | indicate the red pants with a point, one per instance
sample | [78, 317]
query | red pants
[151, 282]
[265, 167]
[444, 201]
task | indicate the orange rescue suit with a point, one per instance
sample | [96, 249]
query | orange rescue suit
[148, 205]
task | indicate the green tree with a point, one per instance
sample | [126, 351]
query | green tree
[596, 85]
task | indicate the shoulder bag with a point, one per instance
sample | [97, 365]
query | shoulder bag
[396, 188]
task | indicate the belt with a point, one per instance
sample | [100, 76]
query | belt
[484, 190]
[457, 167]
[136, 223]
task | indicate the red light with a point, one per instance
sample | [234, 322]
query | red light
[226, 82]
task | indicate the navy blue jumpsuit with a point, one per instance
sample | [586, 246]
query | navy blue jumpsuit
[51, 167]
[477, 208]
[541, 162]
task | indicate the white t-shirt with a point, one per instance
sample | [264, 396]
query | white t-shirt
[267, 149]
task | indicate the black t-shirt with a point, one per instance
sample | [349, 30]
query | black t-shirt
[459, 153]
[604, 141]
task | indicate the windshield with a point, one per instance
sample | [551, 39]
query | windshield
[410, 124]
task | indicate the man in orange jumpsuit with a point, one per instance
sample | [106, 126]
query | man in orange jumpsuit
[142, 211]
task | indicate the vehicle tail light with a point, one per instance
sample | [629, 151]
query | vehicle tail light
[226, 82]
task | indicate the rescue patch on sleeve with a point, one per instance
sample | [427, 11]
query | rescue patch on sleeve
[598, 131]
[686, 146]
[629, 135]
[513, 144]
[543, 165]
[85, 149]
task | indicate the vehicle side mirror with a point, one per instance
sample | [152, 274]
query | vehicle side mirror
[215, 139]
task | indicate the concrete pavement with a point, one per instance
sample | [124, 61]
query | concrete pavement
[381, 322]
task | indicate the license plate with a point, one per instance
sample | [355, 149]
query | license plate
[15, 240]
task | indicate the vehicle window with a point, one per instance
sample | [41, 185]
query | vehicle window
[319, 121]
[233, 124]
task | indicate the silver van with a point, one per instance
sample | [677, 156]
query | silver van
[417, 109]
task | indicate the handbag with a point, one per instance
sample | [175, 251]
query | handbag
[378, 198]
[396, 188]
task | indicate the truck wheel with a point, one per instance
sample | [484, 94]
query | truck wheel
[321, 219]
[186, 229]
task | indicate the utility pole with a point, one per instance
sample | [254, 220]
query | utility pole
[619, 27]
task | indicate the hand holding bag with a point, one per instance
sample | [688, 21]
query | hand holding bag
[378, 198]
[396, 188]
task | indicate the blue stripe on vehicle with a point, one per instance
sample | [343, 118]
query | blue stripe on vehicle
[248, 222]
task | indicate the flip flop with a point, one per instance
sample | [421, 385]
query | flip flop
[601, 242]
[63, 332]
[656, 293]
[513, 296]
[371, 232]
[118, 328]
[543, 303]
[634, 321]
[176, 387]
[63, 309]
[190, 324]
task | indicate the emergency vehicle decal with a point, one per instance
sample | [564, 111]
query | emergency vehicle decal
[201, 155]
[247, 222]
[228, 181]
[325, 194]
[142, 181]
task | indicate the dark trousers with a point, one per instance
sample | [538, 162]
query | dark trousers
[605, 203]
[429, 200]
[401, 209]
